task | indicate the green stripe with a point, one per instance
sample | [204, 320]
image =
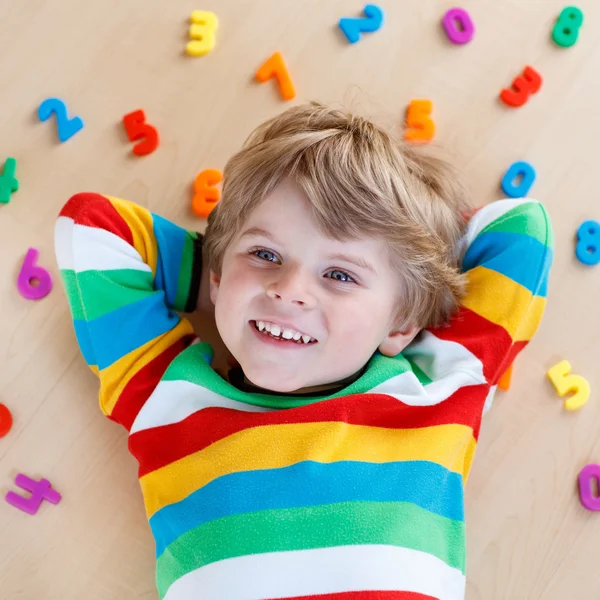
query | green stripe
[105, 291]
[399, 524]
[529, 219]
[73, 296]
[420, 374]
[191, 366]
[185, 272]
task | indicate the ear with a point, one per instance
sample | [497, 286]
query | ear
[215, 282]
[396, 341]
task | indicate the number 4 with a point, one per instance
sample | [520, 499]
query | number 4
[564, 383]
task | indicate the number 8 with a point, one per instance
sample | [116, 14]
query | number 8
[588, 245]
[566, 29]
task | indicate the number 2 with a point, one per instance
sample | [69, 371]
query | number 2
[564, 383]
[420, 125]
[372, 21]
[67, 128]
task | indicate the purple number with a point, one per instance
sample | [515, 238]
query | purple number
[29, 273]
[451, 21]
[40, 490]
[588, 499]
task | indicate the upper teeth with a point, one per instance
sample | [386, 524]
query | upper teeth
[284, 332]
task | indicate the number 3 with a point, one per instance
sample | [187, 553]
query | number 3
[202, 32]
[420, 125]
[564, 383]
[524, 85]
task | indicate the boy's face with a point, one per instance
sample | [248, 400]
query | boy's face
[281, 270]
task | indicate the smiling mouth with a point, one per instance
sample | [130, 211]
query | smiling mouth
[282, 334]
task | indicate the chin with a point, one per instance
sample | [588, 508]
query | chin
[273, 384]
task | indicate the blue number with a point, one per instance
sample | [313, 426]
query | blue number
[518, 190]
[372, 21]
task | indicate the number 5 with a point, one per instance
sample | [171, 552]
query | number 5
[420, 125]
[564, 383]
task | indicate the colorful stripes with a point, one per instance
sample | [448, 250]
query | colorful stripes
[309, 484]
[355, 495]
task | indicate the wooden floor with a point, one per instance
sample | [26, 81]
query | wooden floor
[529, 538]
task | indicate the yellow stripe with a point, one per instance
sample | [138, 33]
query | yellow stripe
[277, 446]
[502, 301]
[114, 378]
[140, 222]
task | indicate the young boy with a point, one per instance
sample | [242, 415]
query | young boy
[330, 462]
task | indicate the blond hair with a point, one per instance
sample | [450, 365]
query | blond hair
[360, 183]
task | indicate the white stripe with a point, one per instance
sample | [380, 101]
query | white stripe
[448, 364]
[321, 571]
[97, 249]
[63, 242]
[174, 401]
[486, 215]
[489, 399]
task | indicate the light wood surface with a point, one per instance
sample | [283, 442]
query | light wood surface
[528, 536]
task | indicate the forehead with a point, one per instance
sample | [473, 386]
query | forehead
[286, 214]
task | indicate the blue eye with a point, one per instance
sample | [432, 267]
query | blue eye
[265, 255]
[338, 275]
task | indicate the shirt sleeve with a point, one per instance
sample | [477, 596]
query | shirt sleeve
[508, 252]
[126, 272]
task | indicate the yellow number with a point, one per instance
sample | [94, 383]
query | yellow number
[202, 31]
[564, 383]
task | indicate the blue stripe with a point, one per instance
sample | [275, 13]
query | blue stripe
[513, 255]
[108, 338]
[310, 483]
[170, 240]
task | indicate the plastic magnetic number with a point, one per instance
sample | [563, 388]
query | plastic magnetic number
[31, 272]
[566, 29]
[588, 243]
[206, 195]
[458, 26]
[6, 420]
[8, 183]
[586, 495]
[509, 185]
[524, 85]
[137, 128]
[274, 66]
[67, 128]
[40, 490]
[353, 27]
[564, 383]
[202, 32]
[420, 126]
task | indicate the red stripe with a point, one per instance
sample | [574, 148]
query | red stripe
[154, 448]
[142, 384]
[374, 595]
[489, 342]
[97, 211]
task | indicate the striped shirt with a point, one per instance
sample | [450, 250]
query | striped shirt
[356, 495]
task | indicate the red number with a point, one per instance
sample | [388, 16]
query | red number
[524, 85]
[136, 127]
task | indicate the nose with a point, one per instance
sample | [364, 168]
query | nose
[290, 286]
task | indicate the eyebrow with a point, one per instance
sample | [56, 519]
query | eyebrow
[355, 260]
